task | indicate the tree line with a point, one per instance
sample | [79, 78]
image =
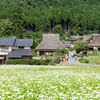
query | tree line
[30, 18]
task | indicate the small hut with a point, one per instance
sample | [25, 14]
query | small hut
[49, 44]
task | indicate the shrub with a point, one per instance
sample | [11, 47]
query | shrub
[58, 52]
[45, 62]
[28, 61]
[82, 60]
[81, 54]
[34, 53]
[71, 49]
[95, 52]
[56, 60]
[66, 51]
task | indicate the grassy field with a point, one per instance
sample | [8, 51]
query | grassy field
[94, 59]
[19, 82]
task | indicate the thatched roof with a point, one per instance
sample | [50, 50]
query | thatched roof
[95, 41]
[86, 37]
[50, 43]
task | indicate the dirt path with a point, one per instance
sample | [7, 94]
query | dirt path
[72, 59]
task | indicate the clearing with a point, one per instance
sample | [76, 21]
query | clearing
[24, 82]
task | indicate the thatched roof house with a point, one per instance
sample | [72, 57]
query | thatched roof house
[95, 42]
[50, 43]
[86, 38]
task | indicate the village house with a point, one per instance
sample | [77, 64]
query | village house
[71, 41]
[95, 42]
[49, 44]
[68, 44]
[12, 48]
[86, 38]
[74, 38]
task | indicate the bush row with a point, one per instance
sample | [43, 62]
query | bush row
[28, 61]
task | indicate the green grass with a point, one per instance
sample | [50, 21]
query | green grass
[21, 82]
[94, 59]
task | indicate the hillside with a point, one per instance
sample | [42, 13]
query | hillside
[76, 16]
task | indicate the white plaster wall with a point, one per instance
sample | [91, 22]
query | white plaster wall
[10, 49]
[27, 48]
[3, 53]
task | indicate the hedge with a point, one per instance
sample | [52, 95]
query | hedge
[28, 61]
[83, 60]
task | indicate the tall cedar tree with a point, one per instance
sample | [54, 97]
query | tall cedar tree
[16, 18]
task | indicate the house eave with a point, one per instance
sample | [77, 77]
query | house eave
[47, 49]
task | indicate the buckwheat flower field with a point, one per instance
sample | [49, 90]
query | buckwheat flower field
[20, 82]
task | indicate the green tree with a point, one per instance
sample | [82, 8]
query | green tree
[58, 29]
[6, 28]
[80, 46]
[77, 16]
[16, 18]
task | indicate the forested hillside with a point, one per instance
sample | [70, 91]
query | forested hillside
[22, 18]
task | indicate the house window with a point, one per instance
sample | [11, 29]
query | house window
[46, 53]
[21, 47]
[3, 49]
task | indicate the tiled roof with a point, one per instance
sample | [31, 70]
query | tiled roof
[18, 53]
[16, 42]
[67, 46]
[7, 42]
[24, 42]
